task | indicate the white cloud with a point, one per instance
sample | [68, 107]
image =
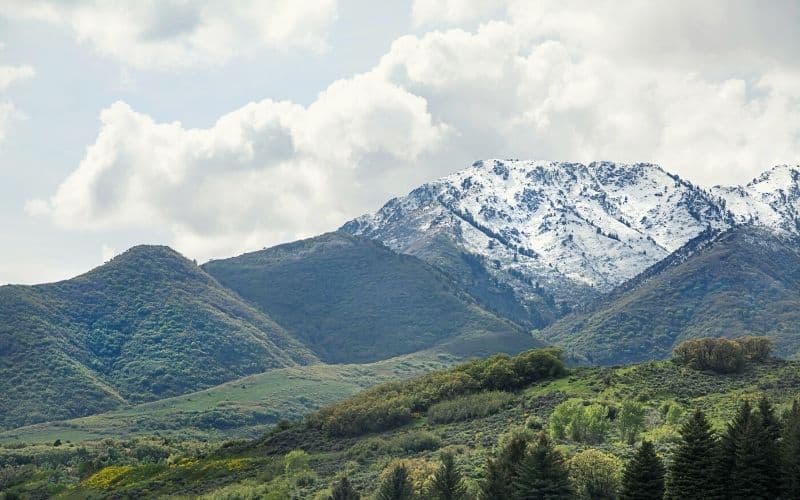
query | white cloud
[168, 34]
[583, 81]
[10, 75]
[267, 172]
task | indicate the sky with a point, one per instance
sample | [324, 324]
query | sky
[224, 127]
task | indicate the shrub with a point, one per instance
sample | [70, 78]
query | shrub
[630, 421]
[469, 407]
[416, 441]
[296, 461]
[577, 421]
[595, 475]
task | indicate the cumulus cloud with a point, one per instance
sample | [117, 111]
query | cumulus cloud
[267, 172]
[167, 34]
[582, 81]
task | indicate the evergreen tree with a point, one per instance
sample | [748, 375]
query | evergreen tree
[644, 476]
[542, 475]
[749, 459]
[770, 434]
[691, 474]
[396, 486]
[735, 434]
[790, 452]
[343, 490]
[447, 483]
[501, 471]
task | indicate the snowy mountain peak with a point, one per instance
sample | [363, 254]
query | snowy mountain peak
[771, 199]
[571, 229]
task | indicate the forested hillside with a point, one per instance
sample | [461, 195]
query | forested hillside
[351, 299]
[746, 281]
[147, 325]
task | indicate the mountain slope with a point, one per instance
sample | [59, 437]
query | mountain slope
[353, 300]
[555, 234]
[148, 324]
[746, 281]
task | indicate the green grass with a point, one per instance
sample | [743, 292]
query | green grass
[246, 407]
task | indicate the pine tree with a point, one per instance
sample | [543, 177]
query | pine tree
[447, 483]
[749, 464]
[691, 474]
[396, 486]
[542, 474]
[343, 490]
[790, 452]
[770, 434]
[735, 434]
[501, 471]
[644, 476]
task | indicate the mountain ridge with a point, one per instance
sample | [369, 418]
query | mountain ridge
[571, 231]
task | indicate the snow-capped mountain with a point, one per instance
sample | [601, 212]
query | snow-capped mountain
[569, 230]
[772, 199]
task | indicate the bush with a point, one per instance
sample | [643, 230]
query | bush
[416, 441]
[469, 407]
[630, 421]
[581, 422]
[595, 475]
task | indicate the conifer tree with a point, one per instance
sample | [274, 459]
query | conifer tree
[790, 452]
[501, 471]
[343, 490]
[735, 434]
[749, 459]
[770, 434]
[447, 483]
[542, 474]
[691, 474]
[644, 476]
[396, 486]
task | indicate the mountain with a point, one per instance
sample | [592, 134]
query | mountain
[771, 200]
[546, 236]
[147, 325]
[352, 299]
[746, 281]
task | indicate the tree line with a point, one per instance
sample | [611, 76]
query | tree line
[756, 457]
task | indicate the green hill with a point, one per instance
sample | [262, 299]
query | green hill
[470, 421]
[353, 300]
[148, 324]
[744, 282]
[245, 407]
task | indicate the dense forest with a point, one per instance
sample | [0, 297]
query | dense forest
[719, 420]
